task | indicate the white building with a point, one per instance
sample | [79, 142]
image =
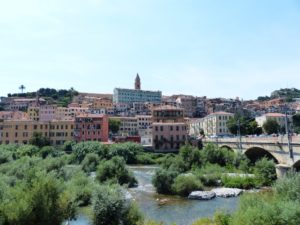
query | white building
[214, 124]
[279, 117]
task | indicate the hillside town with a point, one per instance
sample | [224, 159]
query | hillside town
[159, 122]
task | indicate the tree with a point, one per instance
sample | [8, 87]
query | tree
[115, 170]
[111, 207]
[247, 125]
[39, 140]
[271, 126]
[186, 183]
[22, 88]
[40, 201]
[296, 122]
[114, 125]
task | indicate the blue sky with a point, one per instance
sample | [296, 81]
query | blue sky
[216, 48]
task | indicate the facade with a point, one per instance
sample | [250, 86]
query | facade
[34, 113]
[130, 96]
[47, 112]
[91, 127]
[169, 130]
[21, 131]
[128, 126]
[212, 125]
[279, 117]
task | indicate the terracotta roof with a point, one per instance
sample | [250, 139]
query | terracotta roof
[275, 115]
[220, 113]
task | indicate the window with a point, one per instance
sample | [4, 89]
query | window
[161, 128]
[35, 127]
[171, 128]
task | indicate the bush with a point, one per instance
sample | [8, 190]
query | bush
[245, 182]
[145, 159]
[115, 170]
[210, 175]
[186, 183]
[40, 202]
[214, 155]
[110, 207]
[81, 149]
[128, 151]
[191, 156]
[163, 180]
[288, 188]
[265, 172]
[90, 162]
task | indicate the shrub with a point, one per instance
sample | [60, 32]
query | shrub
[128, 151]
[186, 183]
[191, 156]
[115, 170]
[210, 175]
[81, 149]
[145, 159]
[265, 172]
[245, 182]
[39, 202]
[110, 207]
[163, 180]
[90, 162]
[288, 188]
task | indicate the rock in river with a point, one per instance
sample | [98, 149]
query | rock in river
[202, 195]
[227, 192]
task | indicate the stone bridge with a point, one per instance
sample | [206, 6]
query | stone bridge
[275, 148]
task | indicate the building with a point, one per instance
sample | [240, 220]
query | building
[22, 104]
[91, 127]
[212, 125]
[47, 112]
[21, 131]
[128, 126]
[279, 117]
[169, 130]
[34, 113]
[130, 96]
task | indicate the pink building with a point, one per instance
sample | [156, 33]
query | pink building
[169, 130]
[47, 112]
[91, 127]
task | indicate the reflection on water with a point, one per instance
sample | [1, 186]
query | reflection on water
[177, 210]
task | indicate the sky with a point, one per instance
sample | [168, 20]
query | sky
[213, 48]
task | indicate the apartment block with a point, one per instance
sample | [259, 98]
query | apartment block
[20, 131]
[169, 129]
[91, 127]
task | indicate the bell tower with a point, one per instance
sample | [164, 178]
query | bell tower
[137, 84]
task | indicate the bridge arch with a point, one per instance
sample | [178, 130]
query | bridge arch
[227, 147]
[256, 153]
[296, 166]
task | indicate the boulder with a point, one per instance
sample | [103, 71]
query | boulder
[202, 195]
[227, 192]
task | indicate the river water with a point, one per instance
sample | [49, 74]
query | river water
[177, 210]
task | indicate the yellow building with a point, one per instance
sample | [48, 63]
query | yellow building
[34, 113]
[20, 131]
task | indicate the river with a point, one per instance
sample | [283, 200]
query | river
[178, 210]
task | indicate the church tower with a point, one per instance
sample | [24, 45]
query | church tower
[137, 84]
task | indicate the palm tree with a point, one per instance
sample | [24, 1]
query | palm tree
[22, 88]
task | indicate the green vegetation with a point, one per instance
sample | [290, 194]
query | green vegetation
[114, 125]
[286, 93]
[248, 126]
[44, 185]
[39, 140]
[110, 207]
[184, 184]
[53, 96]
[271, 126]
[115, 170]
[296, 123]
[209, 167]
